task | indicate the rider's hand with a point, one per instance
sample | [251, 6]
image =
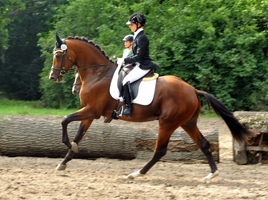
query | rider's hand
[120, 61]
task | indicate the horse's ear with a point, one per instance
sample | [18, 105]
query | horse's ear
[58, 39]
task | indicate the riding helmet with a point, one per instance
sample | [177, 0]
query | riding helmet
[137, 18]
[128, 38]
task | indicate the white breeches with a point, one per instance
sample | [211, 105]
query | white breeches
[135, 74]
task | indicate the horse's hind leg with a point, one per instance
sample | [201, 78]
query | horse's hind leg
[84, 125]
[165, 131]
[191, 128]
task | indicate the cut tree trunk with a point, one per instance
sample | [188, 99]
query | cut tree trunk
[41, 136]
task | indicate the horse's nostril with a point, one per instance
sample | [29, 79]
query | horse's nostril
[51, 78]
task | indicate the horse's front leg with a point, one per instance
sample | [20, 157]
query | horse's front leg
[64, 123]
[84, 125]
[77, 116]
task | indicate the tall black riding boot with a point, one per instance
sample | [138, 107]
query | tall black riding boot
[128, 100]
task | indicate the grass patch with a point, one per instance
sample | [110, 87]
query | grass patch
[210, 115]
[9, 107]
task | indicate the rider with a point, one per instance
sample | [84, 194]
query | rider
[128, 41]
[140, 58]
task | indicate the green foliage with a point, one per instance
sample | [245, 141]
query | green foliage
[217, 46]
[7, 8]
[21, 63]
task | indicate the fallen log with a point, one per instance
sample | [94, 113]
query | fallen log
[41, 136]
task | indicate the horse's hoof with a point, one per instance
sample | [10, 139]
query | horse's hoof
[212, 175]
[61, 167]
[74, 147]
[134, 175]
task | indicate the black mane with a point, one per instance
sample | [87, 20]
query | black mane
[90, 42]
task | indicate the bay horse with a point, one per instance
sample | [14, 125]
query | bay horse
[175, 104]
[77, 84]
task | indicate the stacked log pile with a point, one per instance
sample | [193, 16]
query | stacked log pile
[36, 136]
[256, 148]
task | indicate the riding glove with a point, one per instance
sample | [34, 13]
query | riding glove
[120, 61]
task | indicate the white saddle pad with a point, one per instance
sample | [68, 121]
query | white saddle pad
[145, 94]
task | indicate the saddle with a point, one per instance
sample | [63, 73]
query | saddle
[142, 95]
[125, 69]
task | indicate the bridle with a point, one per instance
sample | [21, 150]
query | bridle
[62, 70]
[77, 84]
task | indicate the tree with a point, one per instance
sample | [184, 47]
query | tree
[6, 7]
[22, 63]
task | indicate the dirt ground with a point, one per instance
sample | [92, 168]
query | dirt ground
[36, 178]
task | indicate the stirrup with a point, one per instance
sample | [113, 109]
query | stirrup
[115, 114]
[118, 113]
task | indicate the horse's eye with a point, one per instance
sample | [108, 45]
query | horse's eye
[58, 56]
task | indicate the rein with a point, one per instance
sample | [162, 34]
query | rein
[100, 65]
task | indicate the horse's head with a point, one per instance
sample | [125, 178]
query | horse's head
[77, 84]
[62, 61]
[80, 52]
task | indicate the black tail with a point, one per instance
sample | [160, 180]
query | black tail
[239, 132]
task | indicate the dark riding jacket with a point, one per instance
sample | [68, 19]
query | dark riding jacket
[141, 55]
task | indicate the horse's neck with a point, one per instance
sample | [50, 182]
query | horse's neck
[99, 67]
[101, 73]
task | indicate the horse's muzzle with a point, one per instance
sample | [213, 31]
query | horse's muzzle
[75, 91]
[55, 76]
[52, 77]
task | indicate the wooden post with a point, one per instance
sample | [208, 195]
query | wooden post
[240, 154]
[257, 122]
